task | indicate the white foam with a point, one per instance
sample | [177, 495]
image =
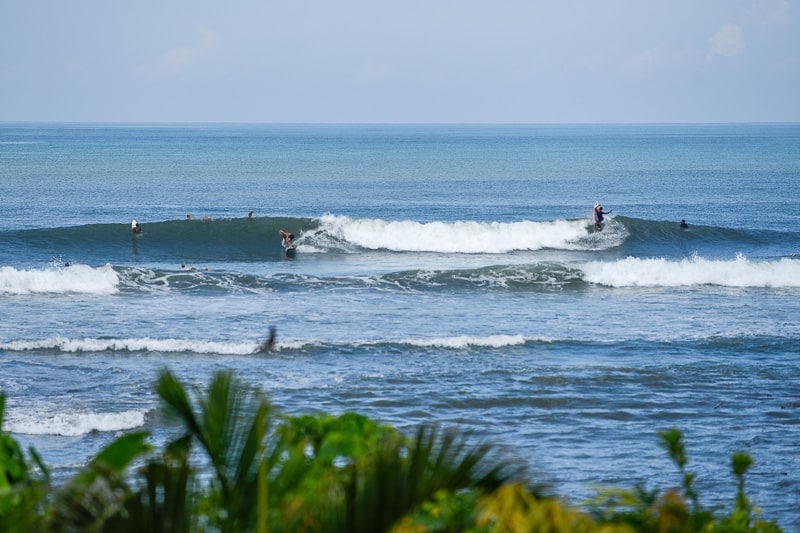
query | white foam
[465, 341]
[48, 421]
[76, 279]
[64, 344]
[462, 237]
[739, 272]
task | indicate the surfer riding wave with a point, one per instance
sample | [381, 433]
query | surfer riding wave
[598, 215]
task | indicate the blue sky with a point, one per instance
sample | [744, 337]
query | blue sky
[418, 61]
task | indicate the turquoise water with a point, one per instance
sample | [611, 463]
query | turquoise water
[444, 274]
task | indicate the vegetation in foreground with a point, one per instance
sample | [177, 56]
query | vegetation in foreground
[235, 465]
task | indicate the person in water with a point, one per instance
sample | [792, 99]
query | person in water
[288, 238]
[136, 227]
[598, 215]
[268, 344]
[683, 224]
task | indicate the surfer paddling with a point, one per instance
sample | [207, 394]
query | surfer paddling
[598, 215]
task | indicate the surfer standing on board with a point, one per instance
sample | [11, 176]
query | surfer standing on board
[598, 215]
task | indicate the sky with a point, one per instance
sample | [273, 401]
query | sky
[409, 61]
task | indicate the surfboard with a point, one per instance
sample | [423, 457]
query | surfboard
[592, 227]
[289, 250]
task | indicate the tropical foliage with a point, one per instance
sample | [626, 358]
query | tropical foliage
[235, 465]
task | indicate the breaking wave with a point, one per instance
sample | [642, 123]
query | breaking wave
[739, 272]
[75, 279]
[54, 420]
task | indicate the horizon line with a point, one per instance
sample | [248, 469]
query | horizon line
[376, 123]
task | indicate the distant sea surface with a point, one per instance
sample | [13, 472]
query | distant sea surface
[444, 274]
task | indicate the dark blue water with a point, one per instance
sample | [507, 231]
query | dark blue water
[444, 273]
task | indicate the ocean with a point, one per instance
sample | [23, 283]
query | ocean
[445, 274]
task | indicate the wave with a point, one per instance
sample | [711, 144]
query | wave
[743, 343]
[630, 235]
[188, 346]
[465, 237]
[75, 279]
[244, 239]
[53, 420]
[257, 239]
[694, 271]
[739, 272]
[468, 341]
[89, 345]
[178, 241]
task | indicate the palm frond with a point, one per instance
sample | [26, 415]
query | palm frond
[230, 421]
[99, 491]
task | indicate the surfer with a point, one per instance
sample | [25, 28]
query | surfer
[288, 238]
[683, 224]
[250, 215]
[135, 227]
[598, 215]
